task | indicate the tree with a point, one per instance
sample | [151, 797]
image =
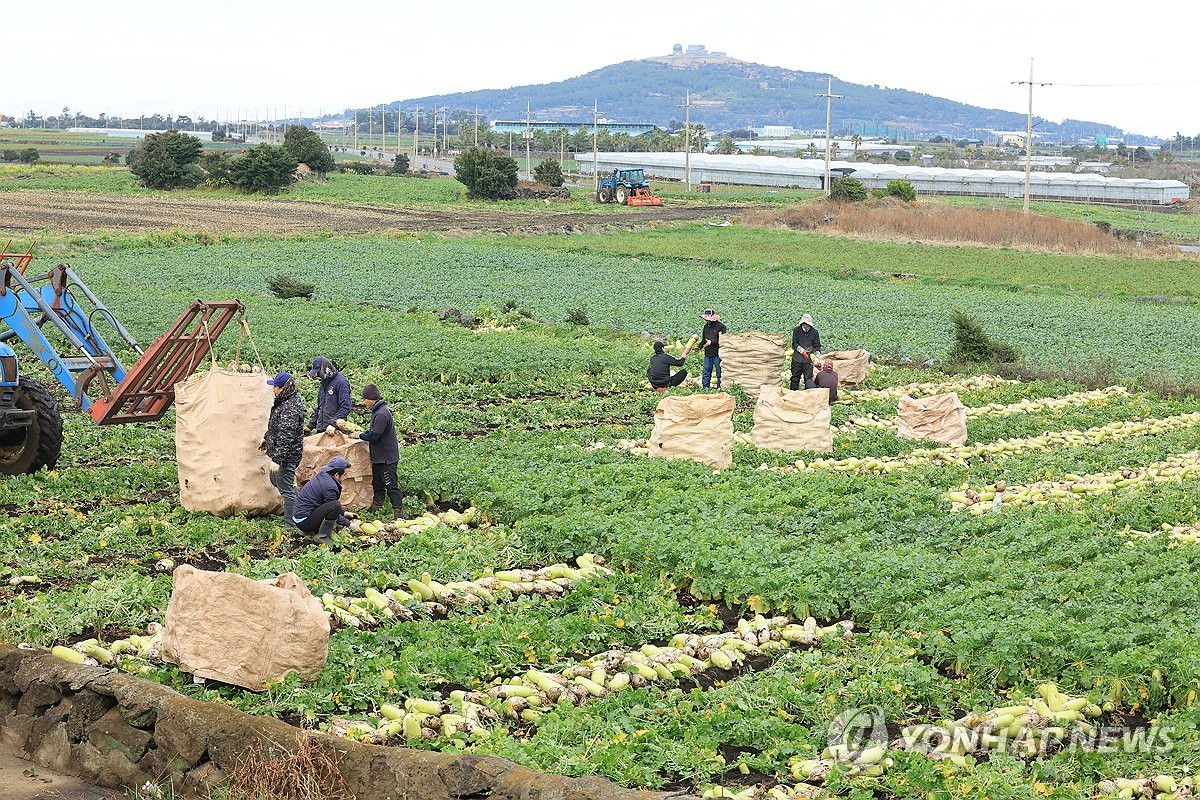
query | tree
[399, 165]
[487, 174]
[849, 189]
[726, 147]
[902, 189]
[166, 160]
[548, 172]
[265, 168]
[306, 146]
[856, 141]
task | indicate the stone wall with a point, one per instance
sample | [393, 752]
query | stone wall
[119, 731]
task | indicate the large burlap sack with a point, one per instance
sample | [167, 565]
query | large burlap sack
[941, 418]
[230, 628]
[356, 483]
[697, 427]
[792, 420]
[220, 417]
[851, 366]
[753, 360]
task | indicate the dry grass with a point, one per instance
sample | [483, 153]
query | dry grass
[924, 223]
[305, 771]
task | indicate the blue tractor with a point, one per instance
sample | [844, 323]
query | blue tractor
[628, 187]
[54, 315]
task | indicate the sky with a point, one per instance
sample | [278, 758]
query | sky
[1126, 65]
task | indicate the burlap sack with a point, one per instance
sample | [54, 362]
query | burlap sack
[851, 366]
[941, 418]
[220, 417]
[697, 427]
[356, 483]
[752, 360]
[233, 629]
[792, 420]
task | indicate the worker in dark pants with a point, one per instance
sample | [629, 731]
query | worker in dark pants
[806, 341]
[659, 372]
[711, 337]
[333, 395]
[384, 448]
[318, 507]
[284, 442]
[827, 378]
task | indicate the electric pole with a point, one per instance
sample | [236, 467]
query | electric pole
[528, 155]
[829, 95]
[595, 153]
[477, 126]
[687, 140]
[1029, 134]
[416, 128]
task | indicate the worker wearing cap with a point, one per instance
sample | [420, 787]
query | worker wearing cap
[284, 442]
[318, 505]
[806, 341]
[711, 336]
[333, 395]
[659, 372]
[384, 449]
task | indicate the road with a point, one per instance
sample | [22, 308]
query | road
[24, 780]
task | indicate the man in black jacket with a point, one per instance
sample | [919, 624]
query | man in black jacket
[806, 341]
[284, 441]
[659, 373]
[385, 450]
[711, 337]
[318, 507]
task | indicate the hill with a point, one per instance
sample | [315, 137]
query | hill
[728, 93]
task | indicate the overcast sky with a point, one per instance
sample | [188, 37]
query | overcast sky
[1130, 65]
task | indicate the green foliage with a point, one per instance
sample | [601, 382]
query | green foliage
[726, 147]
[974, 345]
[264, 168]
[27, 156]
[306, 147]
[358, 167]
[216, 167]
[848, 189]
[285, 287]
[218, 134]
[399, 165]
[548, 172]
[167, 160]
[113, 158]
[902, 189]
[487, 174]
[578, 316]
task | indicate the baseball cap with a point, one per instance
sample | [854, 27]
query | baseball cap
[336, 463]
[280, 380]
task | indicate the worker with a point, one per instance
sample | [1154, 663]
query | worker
[827, 378]
[659, 372]
[318, 505]
[711, 336]
[333, 395]
[384, 449]
[806, 341]
[284, 442]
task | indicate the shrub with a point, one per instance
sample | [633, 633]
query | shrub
[902, 189]
[216, 168]
[30, 155]
[264, 168]
[487, 174]
[548, 172]
[399, 165]
[359, 168]
[11, 155]
[578, 316]
[972, 344]
[849, 189]
[306, 146]
[285, 287]
[166, 160]
[113, 157]
[218, 135]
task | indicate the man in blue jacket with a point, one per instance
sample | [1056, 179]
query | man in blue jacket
[333, 396]
[318, 505]
[384, 448]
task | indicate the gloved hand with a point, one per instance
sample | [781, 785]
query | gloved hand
[307, 431]
[351, 515]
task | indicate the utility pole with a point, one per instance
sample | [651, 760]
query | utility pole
[687, 140]
[416, 129]
[595, 147]
[528, 155]
[829, 95]
[477, 126]
[1029, 134]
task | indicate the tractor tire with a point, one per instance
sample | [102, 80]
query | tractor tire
[622, 195]
[605, 194]
[26, 450]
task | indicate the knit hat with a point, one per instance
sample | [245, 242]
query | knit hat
[371, 392]
[658, 347]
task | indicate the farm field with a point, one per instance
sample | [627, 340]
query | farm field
[922, 612]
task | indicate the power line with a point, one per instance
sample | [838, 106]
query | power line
[1029, 134]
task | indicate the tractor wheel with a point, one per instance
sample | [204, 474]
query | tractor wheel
[622, 195]
[605, 194]
[29, 449]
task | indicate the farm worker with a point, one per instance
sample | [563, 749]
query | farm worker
[333, 396]
[284, 441]
[659, 372]
[711, 336]
[827, 378]
[318, 506]
[806, 340]
[384, 449]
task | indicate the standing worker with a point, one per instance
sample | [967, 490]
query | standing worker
[284, 441]
[806, 341]
[827, 378]
[384, 449]
[659, 372]
[318, 506]
[711, 336]
[333, 396]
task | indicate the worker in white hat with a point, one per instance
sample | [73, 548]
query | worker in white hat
[806, 341]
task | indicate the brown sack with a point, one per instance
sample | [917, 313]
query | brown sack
[792, 420]
[233, 629]
[697, 427]
[752, 360]
[851, 366]
[320, 448]
[220, 417]
[941, 418]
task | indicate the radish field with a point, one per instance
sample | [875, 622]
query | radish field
[558, 598]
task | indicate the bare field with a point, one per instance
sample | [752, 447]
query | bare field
[76, 212]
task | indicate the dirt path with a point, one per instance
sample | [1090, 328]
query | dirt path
[24, 780]
[76, 212]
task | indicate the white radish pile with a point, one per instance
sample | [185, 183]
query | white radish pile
[1179, 534]
[133, 654]
[472, 517]
[974, 383]
[1160, 787]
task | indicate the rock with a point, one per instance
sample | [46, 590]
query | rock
[86, 707]
[39, 696]
[203, 779]
[112, 732]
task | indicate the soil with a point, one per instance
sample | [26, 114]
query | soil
[23, 780]
[77, 212]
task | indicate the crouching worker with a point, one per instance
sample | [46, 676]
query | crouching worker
[318, 506]
[384, 449]
[827, 378]
[659, 373]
